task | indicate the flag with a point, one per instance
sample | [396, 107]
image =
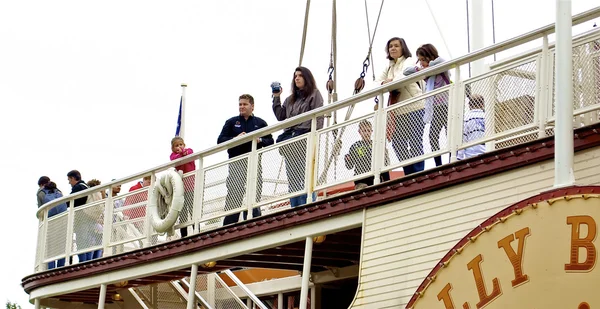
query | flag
[180, 120]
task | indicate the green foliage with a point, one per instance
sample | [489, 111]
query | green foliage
[10, 305]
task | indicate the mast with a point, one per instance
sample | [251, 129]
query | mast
[477, 37]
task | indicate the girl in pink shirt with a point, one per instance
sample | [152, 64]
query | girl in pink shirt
[179, 151]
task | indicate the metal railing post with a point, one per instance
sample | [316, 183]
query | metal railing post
[198, 205]
[311, 151]
[306, 272]
[456, 107]
[147, 225]
[70, 223]
[544, 96]
[245, 289]
[252, 179]
[379, 136]
[42, 235]
[108, 220]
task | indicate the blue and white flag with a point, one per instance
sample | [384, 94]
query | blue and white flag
[180, 120]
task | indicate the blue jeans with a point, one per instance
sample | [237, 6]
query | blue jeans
[301, 200]
[89, 255]
[58, 263]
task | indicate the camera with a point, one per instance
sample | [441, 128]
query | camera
[275, 87]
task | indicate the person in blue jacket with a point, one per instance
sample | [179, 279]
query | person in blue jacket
[236, 126]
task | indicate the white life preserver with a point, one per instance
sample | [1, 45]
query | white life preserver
[167, 192]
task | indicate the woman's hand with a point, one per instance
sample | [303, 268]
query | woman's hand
[386, 81]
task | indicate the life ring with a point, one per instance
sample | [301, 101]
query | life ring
[168, 193]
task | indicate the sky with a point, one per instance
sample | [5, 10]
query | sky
[95, 86]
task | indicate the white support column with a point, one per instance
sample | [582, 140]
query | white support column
[198, 194]
[108, 220]
[102, 297]
[211, 289]
[36, 303]
[280, 301]
[306, 272]
[543, 97]
[154, 296]
[252, 179]
[563, 147]
[311, 152]
[70, 222]
[477, 37]
[42, 241]
[191, 301]
[313, 297]
[379, 136]
[147, 226]
[456, 107]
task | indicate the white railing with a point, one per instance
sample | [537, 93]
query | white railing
[519, 100]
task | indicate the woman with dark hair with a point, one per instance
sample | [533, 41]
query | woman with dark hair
[50, 193]
[436, 107]
[405, 125]
[40, 192]
[305, 97]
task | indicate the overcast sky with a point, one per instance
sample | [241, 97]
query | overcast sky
[95, 86]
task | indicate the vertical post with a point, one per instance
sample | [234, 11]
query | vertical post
[249, 303]
[211, 289]
[313, 297]
[252, 180]
[311, 145]
[147, 226]
[42, 240]
[379, 135]
[154, 296]
[191, 301]
[108, 220]
[477, 37]
[306, 272]
[543, 97]
[456, 107]
[36, 303]
[280, 301]
[70, 222]
[102, 297]
[563, 147]
[198, 194]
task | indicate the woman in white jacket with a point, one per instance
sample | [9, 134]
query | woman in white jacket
[405, 125]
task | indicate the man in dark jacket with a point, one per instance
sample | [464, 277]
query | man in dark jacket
[83, 224]
[236, 126]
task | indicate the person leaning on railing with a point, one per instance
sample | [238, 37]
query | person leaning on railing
[305, 97]
[405, 125]
[82, 223]
[436, 107]
[236, 182]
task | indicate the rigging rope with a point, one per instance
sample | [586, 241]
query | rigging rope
[439, 29]
[304, 32]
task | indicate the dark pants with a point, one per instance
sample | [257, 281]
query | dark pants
[96, 254]
[439, 121]
[187, 211]
[294, 155]
[58, 263]
[409, 133]
[236, 188]
[369, 181]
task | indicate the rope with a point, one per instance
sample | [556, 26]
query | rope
[304, 31]
[439, 29]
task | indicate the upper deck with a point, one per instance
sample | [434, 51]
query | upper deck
[519, 118]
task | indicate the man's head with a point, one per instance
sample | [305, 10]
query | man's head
[73, 177]
[476, 102]
[365, 129]
[246, 105]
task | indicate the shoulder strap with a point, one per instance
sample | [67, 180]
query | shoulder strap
[445, 78]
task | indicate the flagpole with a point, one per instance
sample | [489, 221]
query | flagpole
[182, 129]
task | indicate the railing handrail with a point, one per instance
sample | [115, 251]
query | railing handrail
[445, 66]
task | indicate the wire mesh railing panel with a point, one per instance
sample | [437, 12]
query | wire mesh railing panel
[345, 152]
[517, 139]
[128, 217]
[224, 298]
[185, 216]
[406, 128]
[169, 298]
[88, 226]
[283, 169]
[224, 187]
[56, 235]
[41, 240]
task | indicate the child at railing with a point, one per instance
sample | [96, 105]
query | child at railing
[359, 156]
[436, 107]
[179, 151]
[473, 127]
